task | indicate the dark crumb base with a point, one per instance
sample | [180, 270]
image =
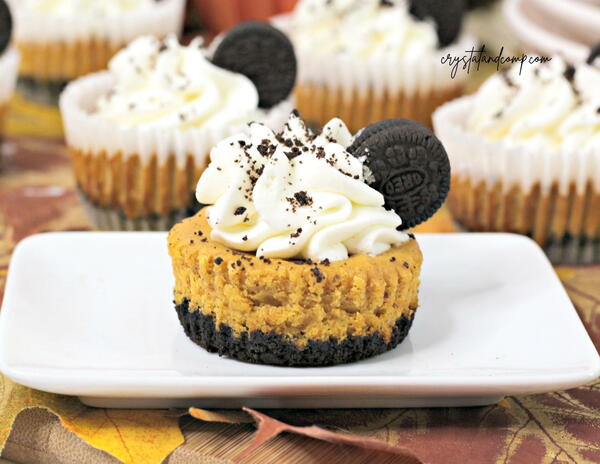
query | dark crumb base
[270, 348]
[115, 219]
[573, 250]
[566, 250]
[44, 92]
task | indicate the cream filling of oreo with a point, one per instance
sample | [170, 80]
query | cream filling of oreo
[295, 195]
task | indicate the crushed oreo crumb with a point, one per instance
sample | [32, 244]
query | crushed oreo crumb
[318, 274]
[570, 73]
[303, 199]
[299, 200]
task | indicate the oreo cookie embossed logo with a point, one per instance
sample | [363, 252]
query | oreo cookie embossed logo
[406, 178]
[400, 183]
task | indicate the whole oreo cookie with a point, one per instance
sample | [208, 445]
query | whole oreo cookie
[447, 15]
[6, 25]
[409, 166]
[594, 53]
[263, 54]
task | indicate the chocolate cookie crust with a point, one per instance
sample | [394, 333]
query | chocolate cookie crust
[270, 348]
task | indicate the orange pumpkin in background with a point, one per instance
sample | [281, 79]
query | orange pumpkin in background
[218, 15]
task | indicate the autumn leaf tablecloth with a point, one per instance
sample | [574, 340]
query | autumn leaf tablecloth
[37, 195]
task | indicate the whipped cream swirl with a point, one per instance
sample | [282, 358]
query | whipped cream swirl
[362, 28]
[546, 106]
[87, 7]
[164, 84]
[295, 195]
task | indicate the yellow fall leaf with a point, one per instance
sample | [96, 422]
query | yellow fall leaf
[566, 273]
[15, 398]
[27, 118]
[133, 436]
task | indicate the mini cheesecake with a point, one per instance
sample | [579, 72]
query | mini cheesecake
[291, 312]
[302, 257]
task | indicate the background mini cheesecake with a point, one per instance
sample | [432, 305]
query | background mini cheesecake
[525, 152]
[140, 133]
[62, 40]
[370, 60]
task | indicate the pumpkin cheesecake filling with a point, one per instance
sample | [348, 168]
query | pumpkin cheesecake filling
[302, 301]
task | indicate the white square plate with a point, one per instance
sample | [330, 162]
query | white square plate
[90, 314]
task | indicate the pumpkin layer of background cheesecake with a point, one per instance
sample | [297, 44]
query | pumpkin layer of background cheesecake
[303, 302]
